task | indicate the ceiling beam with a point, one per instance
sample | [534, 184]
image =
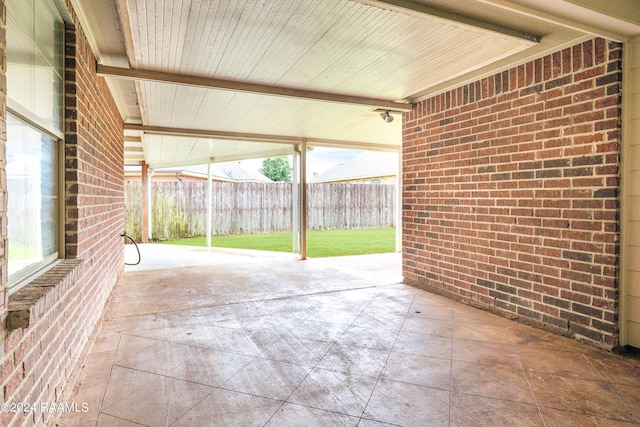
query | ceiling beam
[203, 133]
[221, 159]
[254, 137]
[236, 86]
[419, 10]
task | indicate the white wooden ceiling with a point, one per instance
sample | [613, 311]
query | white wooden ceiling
[240, 79]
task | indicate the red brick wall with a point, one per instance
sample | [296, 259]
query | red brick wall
[510, 191]
[40, 359]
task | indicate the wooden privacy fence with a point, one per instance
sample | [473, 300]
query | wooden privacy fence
[180, 208]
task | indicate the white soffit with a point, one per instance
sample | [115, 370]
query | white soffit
[106, 38]
[395, 50]
[333, 46]
[197, 108]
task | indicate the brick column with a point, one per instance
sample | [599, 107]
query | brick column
[71, 145]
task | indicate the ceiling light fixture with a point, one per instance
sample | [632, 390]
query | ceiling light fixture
[386, 116]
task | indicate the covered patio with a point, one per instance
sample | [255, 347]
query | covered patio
[517, 125]
[230, 337]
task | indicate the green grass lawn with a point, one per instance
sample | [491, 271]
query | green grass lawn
[324, 243]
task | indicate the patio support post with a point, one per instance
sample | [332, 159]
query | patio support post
[149, 205]
[303, 200]
[296, 199]
[209, 208]
[145, 212]
[399, 203]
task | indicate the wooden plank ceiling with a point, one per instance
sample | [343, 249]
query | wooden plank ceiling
[239, 79]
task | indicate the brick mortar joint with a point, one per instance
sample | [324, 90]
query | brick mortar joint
[520, 318]
[29, 301]
[59, 351]
[489, 83]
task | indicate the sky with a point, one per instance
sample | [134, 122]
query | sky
[318, 160]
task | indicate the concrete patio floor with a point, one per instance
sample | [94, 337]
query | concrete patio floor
[240, 338]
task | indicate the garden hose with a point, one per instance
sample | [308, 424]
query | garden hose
[126, 236]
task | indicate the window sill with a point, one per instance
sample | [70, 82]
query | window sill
[31, 301]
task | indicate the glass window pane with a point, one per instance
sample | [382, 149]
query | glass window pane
[35, 48]
[46, 36]
[20, 67]
[21, 11]
[35, 63]
[49, 41]
[32, 211]
[45, 85]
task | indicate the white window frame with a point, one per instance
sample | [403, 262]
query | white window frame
[53, 131]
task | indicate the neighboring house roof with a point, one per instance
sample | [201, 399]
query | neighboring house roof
[369, 164]
[229, 171]
[236, 172]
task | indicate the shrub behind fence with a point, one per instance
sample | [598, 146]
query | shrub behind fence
[180, 208]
